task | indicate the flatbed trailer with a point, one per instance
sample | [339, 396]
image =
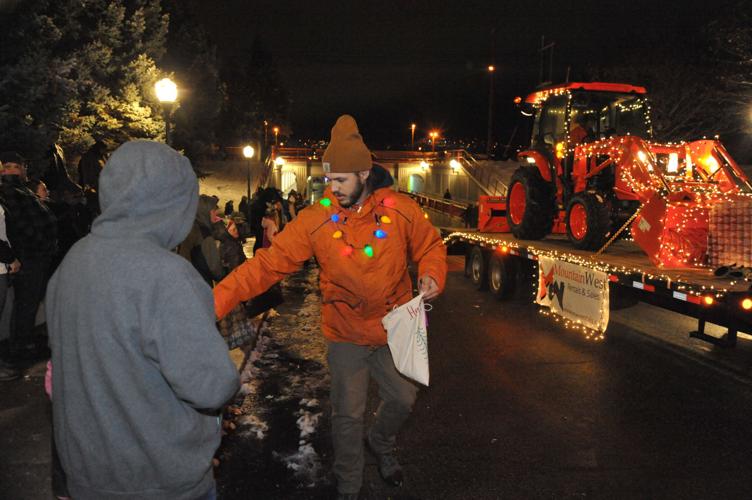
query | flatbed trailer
[501, 263]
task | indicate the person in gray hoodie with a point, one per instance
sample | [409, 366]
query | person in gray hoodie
[138, 367]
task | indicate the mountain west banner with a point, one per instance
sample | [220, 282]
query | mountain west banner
[575, 292]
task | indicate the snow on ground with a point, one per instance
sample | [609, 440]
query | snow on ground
[283, 385]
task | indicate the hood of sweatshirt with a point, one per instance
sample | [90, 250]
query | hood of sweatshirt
[147, 190]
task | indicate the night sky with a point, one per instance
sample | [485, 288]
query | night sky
[390, 63]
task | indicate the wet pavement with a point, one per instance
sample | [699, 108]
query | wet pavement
[519, 407]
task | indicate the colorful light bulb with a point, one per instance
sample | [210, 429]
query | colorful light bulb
[380, 233]
[385, 219]
[368, 250]
[389, 202]
[325, 202]
[347, 250]
[337, 234]
[335, 217]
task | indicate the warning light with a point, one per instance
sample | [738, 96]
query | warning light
[708, 300]
[503, 249]
[747, 304]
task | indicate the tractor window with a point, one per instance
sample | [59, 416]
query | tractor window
[549, 127]
[606, 114]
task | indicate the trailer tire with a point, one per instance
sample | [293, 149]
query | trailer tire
[502, 276]
[530, 204]
[588, 221]
[478, 268]
[469, 261]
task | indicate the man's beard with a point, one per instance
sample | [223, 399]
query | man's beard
[355, 195]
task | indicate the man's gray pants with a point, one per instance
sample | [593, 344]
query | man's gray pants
[351, 367]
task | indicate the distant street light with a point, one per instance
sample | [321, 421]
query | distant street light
[412, 136]
[424, 165]
[276, 136]
[489, 140]
[248, 152]
[167, 93]
[433, 135]
[279, 161]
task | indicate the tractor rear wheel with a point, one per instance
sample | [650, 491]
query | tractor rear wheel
[478, 265]
[530, 204]
[588, 221]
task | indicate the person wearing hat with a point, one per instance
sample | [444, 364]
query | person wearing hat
[200, 247]
[32, 233]
[363, 235]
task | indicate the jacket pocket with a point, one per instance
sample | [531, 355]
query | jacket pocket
[332, 293]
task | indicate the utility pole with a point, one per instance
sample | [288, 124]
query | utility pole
[491, 71]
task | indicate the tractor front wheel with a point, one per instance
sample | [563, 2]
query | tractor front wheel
[530, 204]
[588, 221]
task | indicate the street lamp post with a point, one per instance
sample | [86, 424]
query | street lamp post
[412, 136]
[167, 93]
[433, 135]
[248, 153]
[276, 136]
[491, 70]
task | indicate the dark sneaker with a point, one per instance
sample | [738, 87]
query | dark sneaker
[8, 373]
[389, 468]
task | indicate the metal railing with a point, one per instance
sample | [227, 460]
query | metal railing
[447, 207]
[485, 176]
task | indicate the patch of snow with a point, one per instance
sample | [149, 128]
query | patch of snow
[304, 463]
[252, 426]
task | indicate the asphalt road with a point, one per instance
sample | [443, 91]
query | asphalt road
[518, 408]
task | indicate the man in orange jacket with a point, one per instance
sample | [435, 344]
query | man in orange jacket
[362, 234]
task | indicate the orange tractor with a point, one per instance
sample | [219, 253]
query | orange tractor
[592, 169]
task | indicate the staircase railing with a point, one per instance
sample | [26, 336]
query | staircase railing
[485, 176]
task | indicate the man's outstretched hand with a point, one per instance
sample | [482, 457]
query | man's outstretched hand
[428, 287]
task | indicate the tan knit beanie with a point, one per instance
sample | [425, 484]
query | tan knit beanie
[346, 152]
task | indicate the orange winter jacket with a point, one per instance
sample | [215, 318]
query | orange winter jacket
[356, 290]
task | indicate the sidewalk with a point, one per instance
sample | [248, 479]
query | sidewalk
[25, 433]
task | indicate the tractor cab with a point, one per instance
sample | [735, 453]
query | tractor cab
[566, 118]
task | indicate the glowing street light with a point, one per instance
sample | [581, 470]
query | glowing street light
[279, 161]
[167, 93]
[166, 90]
[424, 165]
[248, 152]
[412, 136]
[276, 135]
[433, 135]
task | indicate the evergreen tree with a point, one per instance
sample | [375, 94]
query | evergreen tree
[192, 57]
[72, 71]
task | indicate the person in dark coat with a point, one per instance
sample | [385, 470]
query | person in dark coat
[200, 247]
[32, 233]
[229, 208]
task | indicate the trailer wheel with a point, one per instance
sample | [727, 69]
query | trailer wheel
[530, 204]
[478, 265]
[502, 276]
[469, 261]
[588, 221]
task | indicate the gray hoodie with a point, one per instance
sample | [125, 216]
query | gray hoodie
[135, 350]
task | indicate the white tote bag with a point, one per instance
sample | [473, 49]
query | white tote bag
[407, 336]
